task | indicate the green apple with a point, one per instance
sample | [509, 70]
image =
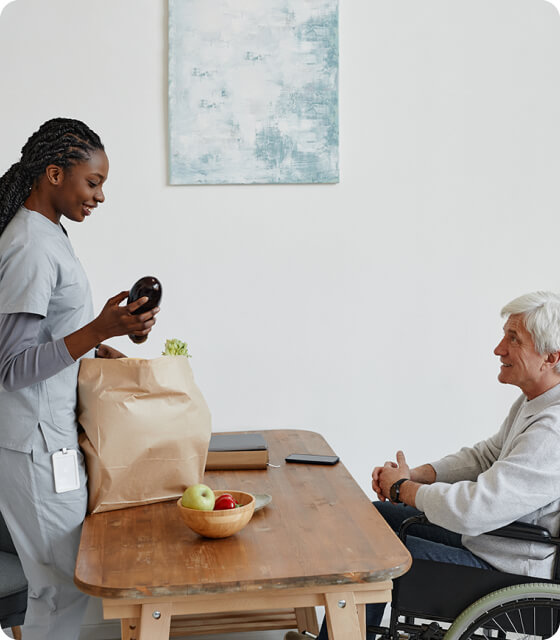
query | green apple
[198, 496]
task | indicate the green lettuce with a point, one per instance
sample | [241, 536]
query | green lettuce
[175, 347]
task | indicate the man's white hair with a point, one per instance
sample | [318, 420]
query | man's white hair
[541, 317]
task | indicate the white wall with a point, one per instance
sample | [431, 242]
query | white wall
[367, 310]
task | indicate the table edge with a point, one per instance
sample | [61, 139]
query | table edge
[343, 579]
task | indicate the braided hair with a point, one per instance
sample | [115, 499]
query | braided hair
[60, 141]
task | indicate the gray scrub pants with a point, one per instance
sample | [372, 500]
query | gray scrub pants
[45, 527]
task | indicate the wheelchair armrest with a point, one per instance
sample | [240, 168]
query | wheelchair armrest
[524, 531]
[518, 530]
[419, 519]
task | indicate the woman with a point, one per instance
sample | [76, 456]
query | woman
[46, 325]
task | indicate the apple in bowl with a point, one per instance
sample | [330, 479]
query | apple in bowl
[219, 523]
[198, 496]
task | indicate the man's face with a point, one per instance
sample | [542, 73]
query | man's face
[521, 364]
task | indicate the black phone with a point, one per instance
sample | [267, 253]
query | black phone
[309, 458]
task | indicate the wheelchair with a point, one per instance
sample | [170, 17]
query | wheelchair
[434, 600]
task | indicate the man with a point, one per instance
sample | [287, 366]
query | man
[513, 475]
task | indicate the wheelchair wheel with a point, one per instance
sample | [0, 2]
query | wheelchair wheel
[520, 611]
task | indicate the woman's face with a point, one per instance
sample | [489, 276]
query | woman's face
[80, 189]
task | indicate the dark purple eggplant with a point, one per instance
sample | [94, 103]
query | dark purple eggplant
[150, 287]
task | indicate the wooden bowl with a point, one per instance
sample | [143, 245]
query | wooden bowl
[222, 523]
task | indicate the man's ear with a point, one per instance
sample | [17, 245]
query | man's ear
[55, 174]
[553, 358]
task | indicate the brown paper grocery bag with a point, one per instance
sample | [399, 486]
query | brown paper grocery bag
[146, 430]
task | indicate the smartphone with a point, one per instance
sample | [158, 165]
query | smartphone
[309, 458]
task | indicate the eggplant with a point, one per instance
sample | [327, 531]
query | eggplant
[146, 286]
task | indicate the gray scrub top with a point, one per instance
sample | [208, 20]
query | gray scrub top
[40, 274]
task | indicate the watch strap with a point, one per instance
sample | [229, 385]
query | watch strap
[395, 491]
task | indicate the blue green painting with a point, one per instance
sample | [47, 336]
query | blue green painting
[253, 91]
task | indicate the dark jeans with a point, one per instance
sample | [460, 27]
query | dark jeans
[424, 543]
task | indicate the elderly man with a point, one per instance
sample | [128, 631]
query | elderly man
[513, 475]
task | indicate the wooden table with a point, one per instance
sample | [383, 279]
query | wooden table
[319, 542]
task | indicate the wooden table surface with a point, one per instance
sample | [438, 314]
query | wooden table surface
[319, 530]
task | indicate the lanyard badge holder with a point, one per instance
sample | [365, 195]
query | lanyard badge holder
[65, 470]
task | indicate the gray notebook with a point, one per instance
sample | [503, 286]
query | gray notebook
[237, 442]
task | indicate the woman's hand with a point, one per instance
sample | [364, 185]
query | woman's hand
[114, 320]
[105, 351]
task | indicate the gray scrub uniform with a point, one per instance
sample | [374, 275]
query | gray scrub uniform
[40, 275]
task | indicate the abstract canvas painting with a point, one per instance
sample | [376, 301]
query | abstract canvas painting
[253, 91]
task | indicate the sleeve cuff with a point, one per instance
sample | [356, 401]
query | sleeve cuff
[62, 350]
[446, 470]
[420, 498]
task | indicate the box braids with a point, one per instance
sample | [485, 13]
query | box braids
[61, 141]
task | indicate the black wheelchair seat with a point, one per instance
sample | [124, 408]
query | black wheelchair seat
[445, 590]
[433, 592]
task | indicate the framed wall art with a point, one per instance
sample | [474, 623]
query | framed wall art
[253, 91]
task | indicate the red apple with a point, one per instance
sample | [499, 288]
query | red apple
[225, 501]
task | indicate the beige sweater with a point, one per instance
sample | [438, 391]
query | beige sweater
[514, 475]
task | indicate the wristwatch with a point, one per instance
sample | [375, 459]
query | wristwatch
[395, 491]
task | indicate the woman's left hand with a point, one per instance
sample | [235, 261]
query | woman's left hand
[105, 351]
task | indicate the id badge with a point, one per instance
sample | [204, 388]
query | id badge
[65, 470]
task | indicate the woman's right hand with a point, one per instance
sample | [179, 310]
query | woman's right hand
[116, 320]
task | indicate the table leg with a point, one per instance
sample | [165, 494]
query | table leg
[362, 618]
[306, 619]
[130, 628]
[155, 621]
[342, 616]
